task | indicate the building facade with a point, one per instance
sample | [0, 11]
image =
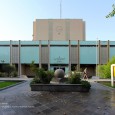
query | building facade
[50, 55]
[58, 29]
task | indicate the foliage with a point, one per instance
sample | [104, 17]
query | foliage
[2, 74]
[74, 78]
[104, 71]
[112, 13]
[50, 75]
[35, 80]
[33, 67]
[86, 84]
[14, 74]
[41, 76]
[8, 69]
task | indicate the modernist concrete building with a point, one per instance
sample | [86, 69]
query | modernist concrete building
[68, 55]
[58, 29]
[57, 43]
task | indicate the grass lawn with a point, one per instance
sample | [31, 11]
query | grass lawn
[4, 84]
[107, 83]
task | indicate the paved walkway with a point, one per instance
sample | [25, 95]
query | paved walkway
[20, 100]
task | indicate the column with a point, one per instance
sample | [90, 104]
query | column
[10, 52]
[78, 57]
[19, 58]
[69, 55]
[49, 55]
[39, 53]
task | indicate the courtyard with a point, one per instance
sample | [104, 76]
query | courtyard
[20, 100]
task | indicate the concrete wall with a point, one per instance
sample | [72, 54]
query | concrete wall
[56, 54]
[58, 29]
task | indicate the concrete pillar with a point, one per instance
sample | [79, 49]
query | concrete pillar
[48, 55]
[78, 57]
[40, 54]
[69, 55]
[19, 58]
[10, 52]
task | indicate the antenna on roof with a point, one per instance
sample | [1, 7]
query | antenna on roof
[60, 9]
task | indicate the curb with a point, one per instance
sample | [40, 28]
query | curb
[12, 85]
[106, 86]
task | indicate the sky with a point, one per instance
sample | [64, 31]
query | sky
[17, 16]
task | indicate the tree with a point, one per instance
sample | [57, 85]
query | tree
[112, 13]
[105, 70]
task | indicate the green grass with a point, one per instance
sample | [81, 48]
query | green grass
[7, 83]
[107, 83]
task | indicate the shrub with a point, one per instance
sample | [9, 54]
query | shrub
[104, 71]
[74, 78]
[50, 75]
[42, 76]
[35, 80]
[86, 84]
[2, 74]
[14, 74]
[8, 69]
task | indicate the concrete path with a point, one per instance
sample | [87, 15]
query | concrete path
[20, 100]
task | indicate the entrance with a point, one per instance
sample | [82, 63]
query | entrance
[59, 68]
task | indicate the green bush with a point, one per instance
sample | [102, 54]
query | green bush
[2, 74]
[36, 80]
[104, 71]
[50, 75]
[14, 74]
[74, 78]
[86, 84]
[42, 76]
[8, 69]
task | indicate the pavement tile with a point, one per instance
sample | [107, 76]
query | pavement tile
[99, 101]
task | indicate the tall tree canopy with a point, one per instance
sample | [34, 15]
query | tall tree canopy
[112, 13]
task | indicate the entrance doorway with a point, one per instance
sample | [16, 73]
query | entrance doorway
[59, 68]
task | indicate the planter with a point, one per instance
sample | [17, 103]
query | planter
[59, 87]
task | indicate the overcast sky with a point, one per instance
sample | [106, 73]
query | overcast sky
[17, 16]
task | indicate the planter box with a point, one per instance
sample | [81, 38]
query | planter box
[58, 87]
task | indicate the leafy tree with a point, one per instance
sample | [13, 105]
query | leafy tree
[112, 13]
[105, 70]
